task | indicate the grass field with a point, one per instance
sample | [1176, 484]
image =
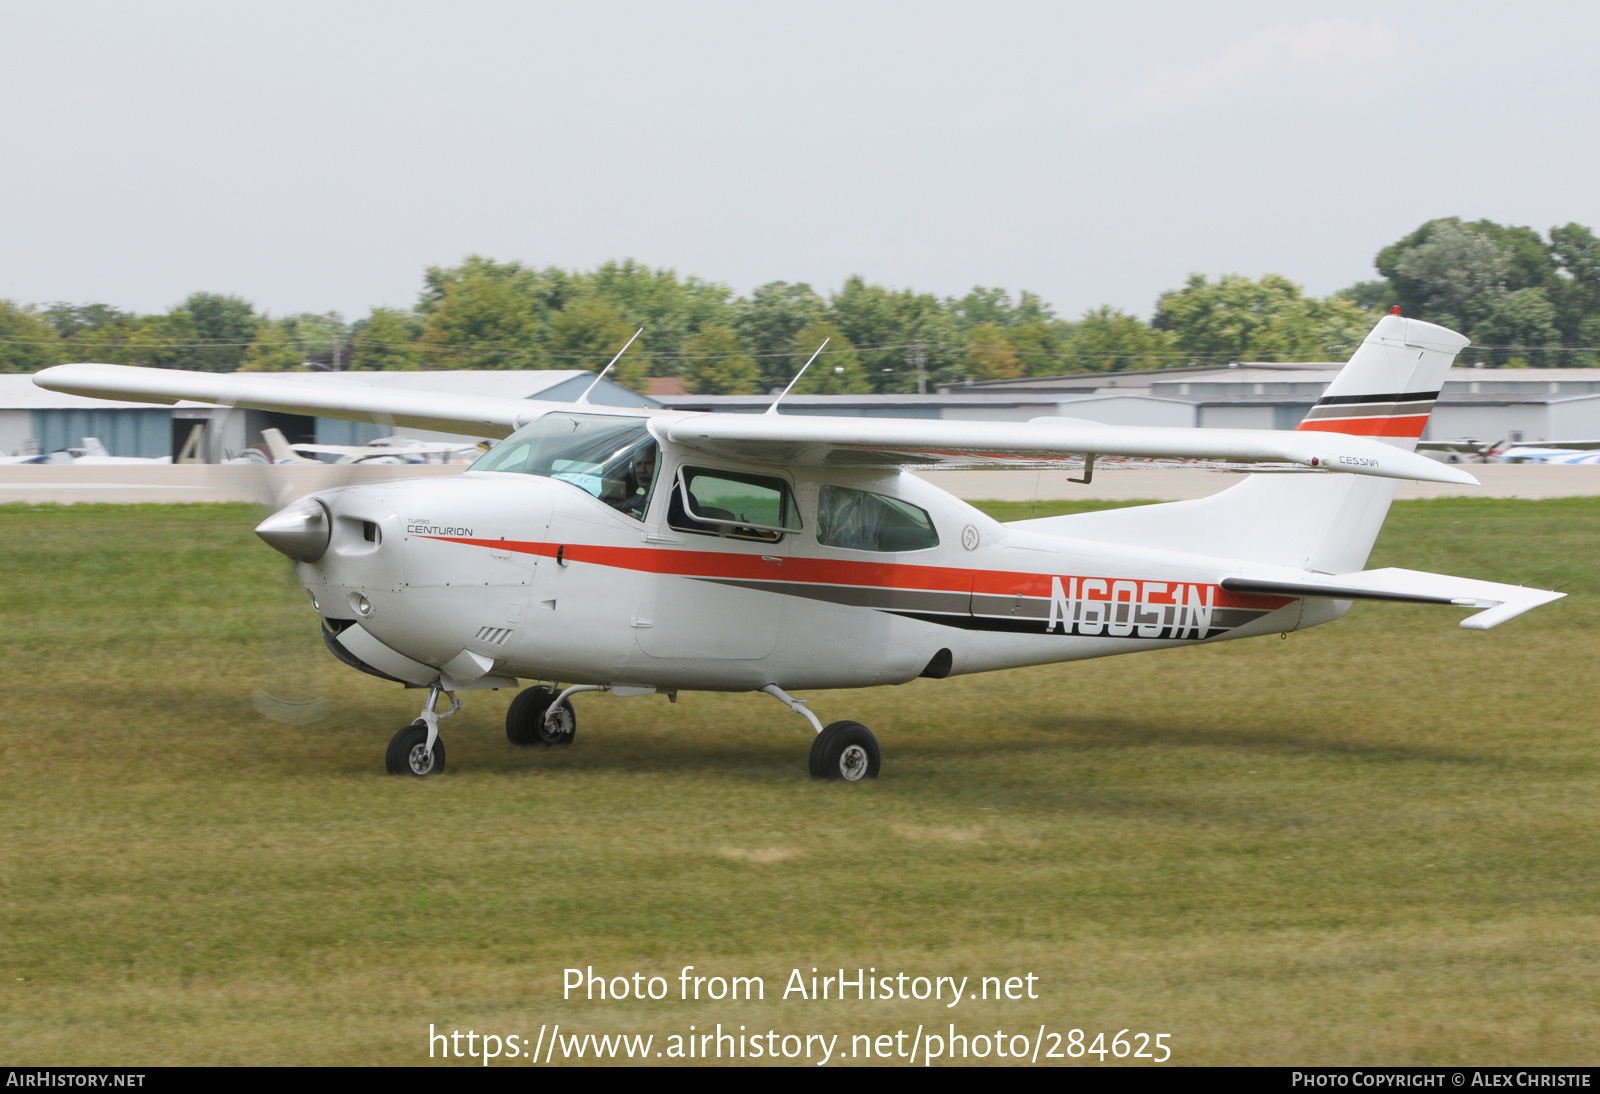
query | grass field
[1372, 842]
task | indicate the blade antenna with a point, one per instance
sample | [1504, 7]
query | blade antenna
[584, 398]
[773, 409]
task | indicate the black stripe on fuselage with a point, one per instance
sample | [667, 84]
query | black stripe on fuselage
[1043, 626]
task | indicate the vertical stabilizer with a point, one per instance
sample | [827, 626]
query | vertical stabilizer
[1388, 388]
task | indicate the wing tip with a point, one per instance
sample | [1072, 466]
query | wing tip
[1459, 477]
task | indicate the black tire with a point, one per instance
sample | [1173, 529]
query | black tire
[846, 751]
[405, 755]
[525, 723]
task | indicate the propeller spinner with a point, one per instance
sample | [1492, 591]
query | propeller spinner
[300, 531]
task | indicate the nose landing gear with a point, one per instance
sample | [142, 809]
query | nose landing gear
[416, 749]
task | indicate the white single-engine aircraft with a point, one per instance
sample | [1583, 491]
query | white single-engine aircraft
[647, 551]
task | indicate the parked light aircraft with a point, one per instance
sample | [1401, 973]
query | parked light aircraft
[646, 551]
[382, 450]
[1553, 452]
[1550, 452]
[92, 453]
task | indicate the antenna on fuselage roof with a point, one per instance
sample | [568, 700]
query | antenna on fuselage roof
[773, 409]
[584, 398]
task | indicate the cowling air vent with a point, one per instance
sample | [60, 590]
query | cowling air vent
[495, 636]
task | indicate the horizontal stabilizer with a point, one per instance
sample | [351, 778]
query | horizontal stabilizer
[1502, 602]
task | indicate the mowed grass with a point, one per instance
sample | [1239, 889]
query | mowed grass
[1371, 842]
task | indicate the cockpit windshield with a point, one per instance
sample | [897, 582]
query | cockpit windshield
[612, 458]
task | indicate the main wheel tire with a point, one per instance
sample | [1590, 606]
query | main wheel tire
[525, 719]
[847, 751]
[408, 753]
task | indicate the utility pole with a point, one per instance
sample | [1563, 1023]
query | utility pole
[919, 358]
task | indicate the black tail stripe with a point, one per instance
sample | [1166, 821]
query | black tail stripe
[1394, 397]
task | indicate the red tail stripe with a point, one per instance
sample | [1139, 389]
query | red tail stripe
[1410, 425]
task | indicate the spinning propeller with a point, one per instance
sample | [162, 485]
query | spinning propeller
[286, 689]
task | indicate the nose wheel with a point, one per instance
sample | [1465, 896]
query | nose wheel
[409, 753]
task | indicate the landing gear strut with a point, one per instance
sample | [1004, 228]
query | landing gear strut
[416, 749]
[842, 750]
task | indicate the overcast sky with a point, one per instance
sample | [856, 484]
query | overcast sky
[318, 156]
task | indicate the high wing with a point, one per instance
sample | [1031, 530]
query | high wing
[797, 440]
[334, 449]
[290, 395]
[1476, 448]
[811, 440]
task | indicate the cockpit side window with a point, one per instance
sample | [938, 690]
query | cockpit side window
[860, 521]
[614, 459]
[732, 503]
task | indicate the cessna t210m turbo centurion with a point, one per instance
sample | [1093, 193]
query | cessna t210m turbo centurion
[647, 551]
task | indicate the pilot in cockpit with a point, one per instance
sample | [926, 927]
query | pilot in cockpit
[641, 476]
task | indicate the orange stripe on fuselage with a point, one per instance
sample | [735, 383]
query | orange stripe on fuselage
[828, 571]
[1409, 425]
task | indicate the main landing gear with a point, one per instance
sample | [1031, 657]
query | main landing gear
[542, 715]
[842, 750]
[536, 718]
[416, 749]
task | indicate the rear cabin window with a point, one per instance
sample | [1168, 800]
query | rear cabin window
[860, 521]
[731, 503]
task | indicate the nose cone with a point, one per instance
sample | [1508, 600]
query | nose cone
[300, 530]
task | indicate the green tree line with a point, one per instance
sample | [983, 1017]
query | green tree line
[1524, 299]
